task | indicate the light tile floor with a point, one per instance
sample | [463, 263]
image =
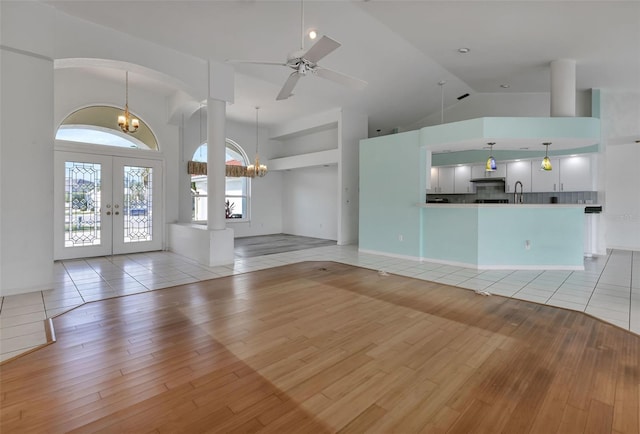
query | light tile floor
[608, 288]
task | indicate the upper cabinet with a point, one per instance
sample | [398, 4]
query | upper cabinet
[568, 174]
[518, 171]
[446, 180]
[461, 183]
[543, 181]
[442, 180]
[433, 185]
[575, 173]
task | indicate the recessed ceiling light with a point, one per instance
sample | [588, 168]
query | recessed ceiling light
[313, 34]
[505, 86]
[463, 50]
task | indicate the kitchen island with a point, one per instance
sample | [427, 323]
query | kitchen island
[503, 236]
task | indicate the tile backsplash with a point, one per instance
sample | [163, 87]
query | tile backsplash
[496, 192]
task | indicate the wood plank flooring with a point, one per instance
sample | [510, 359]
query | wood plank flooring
[324, 347]
[261, 245]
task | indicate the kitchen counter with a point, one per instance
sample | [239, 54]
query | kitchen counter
[504, 236]
[505, 205]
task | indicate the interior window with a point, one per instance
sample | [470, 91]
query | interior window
[237, 188]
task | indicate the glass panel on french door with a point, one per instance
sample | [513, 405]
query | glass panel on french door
[82, 204]
[138, 204]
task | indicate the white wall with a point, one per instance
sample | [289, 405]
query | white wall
[26, 173]
[620, 128]
[309, 202]
[32, 36]
[266, 199]
[352, 128]
[622, 207]
[322, 140]
[26, 148]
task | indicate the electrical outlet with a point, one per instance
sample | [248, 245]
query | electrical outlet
[527, 244]
[400, 237]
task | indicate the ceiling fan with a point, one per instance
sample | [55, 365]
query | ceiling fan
[303, 62]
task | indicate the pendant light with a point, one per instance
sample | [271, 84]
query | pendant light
[546, 162]
[127, 123]
[256, 169]
[491, 162]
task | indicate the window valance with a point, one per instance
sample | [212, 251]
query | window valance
[200, 168]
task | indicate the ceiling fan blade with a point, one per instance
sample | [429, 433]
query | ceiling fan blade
[286, 90]
[320, 49]
[256, 62]
[338, 77]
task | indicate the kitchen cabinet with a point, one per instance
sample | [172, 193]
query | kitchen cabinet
[461, 183]
[575, 173]
[432, 188]
[479, 171]
[568, 174]
[543, 181]
[518, 171]
[442, 180]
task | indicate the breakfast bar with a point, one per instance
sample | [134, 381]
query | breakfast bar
[503, 236]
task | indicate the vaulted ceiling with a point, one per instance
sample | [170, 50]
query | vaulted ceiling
[401, 48]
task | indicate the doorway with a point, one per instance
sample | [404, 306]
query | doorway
[106, 205]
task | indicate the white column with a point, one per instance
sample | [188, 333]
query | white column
[216, 122]
[563, 88]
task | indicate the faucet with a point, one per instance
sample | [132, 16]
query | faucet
[517, 199]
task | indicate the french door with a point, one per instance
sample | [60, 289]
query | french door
[106, 205]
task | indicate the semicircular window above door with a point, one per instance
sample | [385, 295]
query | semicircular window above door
[99, 125]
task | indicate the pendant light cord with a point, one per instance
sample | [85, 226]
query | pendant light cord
[441, 84]
[302, 24]
[257, 108]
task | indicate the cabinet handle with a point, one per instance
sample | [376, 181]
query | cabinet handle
[562, 186]
[554, 187]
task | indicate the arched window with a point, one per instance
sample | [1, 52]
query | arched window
[99, 125]
[236, 188]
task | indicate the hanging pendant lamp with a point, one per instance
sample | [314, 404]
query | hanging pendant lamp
[546, 162]
[491, 162]
[127, 123]
[256, 169]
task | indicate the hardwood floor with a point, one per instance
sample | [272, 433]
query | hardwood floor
[324, 347]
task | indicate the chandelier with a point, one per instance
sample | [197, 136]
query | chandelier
[256, 169]
[126, 122]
